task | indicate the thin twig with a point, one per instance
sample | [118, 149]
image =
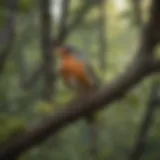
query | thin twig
[146, 124]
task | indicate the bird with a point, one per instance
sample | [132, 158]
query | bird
[78, 75]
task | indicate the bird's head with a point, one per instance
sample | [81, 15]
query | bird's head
[68, 50]
[64, 51]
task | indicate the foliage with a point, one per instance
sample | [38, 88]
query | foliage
[118, 125]
[11, 125]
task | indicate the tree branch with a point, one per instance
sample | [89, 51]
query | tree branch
[63, 22]
[81, 14]
[137, 11]
[76, 109]
[102, 34]
[146, 125]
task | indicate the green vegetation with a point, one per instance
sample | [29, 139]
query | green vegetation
[118, 125]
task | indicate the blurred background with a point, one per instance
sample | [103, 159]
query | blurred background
[107, 31]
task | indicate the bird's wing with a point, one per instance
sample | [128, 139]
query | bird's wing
[95, 80]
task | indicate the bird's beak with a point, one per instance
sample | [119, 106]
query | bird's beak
[60, 51]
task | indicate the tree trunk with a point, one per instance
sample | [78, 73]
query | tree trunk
[102, 35]
[48, 59]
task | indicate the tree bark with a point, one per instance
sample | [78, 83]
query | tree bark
[47, 54]
[102, 34]
[137, 11]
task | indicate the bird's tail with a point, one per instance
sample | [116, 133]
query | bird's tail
[93, 137]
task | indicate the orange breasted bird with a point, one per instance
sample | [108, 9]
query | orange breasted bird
[79, 75]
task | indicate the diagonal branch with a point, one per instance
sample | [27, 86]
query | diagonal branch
[80, 16]
[76, 109]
